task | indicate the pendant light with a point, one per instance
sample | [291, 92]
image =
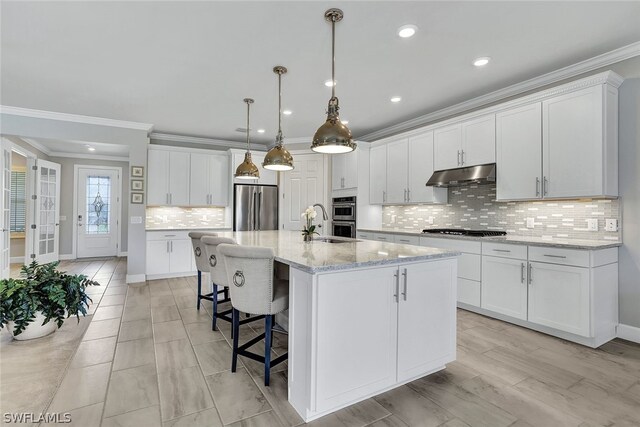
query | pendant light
[333, 137]
[278, 158]
[246, 169]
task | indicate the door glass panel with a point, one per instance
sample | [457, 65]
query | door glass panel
[98, 206]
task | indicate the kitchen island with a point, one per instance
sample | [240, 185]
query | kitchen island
[364, 316]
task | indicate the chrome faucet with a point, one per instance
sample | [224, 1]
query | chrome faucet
[325, 217]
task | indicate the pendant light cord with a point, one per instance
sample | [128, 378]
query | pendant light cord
[248, 112]
[279, 137]
[333, 57]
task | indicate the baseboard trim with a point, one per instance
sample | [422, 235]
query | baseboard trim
[16, 259]
[66, 257]
[122, 254]
[135, 278]
[629, 333]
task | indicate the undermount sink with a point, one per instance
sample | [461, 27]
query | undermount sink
[334, 240]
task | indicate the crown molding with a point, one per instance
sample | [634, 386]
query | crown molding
[75, 118]
[35, 144]
[88, 156]
[185, 139]
[630, 51]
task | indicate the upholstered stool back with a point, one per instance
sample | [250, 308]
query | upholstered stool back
[215, 264]
[198, 249]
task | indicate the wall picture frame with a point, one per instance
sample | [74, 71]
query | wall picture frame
[137, 171]
[137, 185]
[137, 198]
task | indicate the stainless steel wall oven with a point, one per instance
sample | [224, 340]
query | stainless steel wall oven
[343, 217]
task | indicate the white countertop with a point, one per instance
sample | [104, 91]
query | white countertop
[515, 239]
[317, 256]
[189, 229]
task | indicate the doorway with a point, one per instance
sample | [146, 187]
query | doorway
[97, 211]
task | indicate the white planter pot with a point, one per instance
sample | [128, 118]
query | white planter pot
[34, 329]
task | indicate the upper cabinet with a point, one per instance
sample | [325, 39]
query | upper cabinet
[267, 177]
[209, 180]
[344, 171]
[467, 143]
[168, 178]
[564, 146]
[401, 168]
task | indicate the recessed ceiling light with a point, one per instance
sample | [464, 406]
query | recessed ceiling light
[396, 99]
[91, 149]
[261, 130]
[287, 112]
[329, 83]
[482, 61]
[407, 31]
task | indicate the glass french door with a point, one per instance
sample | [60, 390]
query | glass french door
[5, 211]
[46, 227]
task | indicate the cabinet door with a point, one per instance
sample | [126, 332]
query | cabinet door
[504, 286]
[397, 158]
[447, 143]
[378, 175]
[519, 153]
[157, 256]
[338, 168]
[157, 178]
[479, 141]
[351, 172]
[426, 317]
[179, 178]
[573, 144]
[366, 331]
[420, 170]
[267, 177]
[199, 180]
[219, 180]
[181, 253]
[559, 297]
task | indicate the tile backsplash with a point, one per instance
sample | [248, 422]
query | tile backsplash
[163, 217]
[474, 207]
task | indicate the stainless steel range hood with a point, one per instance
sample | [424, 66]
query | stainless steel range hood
[452, 177]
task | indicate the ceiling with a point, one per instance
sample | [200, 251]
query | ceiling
[55, 147]
[186, 66]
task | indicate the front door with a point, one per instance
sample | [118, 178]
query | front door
[97, 212]
[46, 227]
[302, 187]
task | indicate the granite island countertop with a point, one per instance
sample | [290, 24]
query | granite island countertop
[318, 256]
[189, 229]
[554, 242]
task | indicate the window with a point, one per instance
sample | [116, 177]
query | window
[98, 206]
[18, 202]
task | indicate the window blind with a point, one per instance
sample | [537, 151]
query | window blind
[18, 201]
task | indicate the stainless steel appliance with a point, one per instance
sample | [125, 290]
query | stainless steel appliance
[255, 207]
[343, 217]
[461, 232]
[477, 174]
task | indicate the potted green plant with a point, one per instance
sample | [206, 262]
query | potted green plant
[42, 297]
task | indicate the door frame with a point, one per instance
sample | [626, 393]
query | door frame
[118, 194]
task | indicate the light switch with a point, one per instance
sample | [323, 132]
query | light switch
[136, 220]
[530, 222]
[63, 217]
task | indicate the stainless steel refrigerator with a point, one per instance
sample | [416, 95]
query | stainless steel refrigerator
[255, 207]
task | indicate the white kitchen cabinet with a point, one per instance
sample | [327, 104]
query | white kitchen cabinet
[157, 257]
[209, 180]
[169, 254]
[420, 169]
[397, 182]
[504, 286]
[267, 177]
[559, 297]
[378, 175]
[168, 178]
[519, 153]
[344, 171]
[467, 143]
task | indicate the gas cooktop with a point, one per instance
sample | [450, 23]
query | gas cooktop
[460, 232]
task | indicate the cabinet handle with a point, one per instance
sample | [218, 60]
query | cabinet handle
[555, 256]
[522, 272]
[169, 235]
[530, 274]
[458, 157]
[384, 196]
[167, 246]
[408, 195]
[397, 289]
[537, 186]
[501, 250]
[404, 274]
[405, 194]
[545, 186]
[166, 198]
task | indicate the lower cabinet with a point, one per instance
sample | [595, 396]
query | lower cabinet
[169, 254]
[504, 286]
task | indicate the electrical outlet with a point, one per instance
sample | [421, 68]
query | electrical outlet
[430, 220]
[136, 220]
[393, 219]
[592, 224]
[530, 222]
[610, 224]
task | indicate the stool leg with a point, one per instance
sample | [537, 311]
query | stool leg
[199, 288]
[235, 315]
[215, 307]
[226, 293]
[268, 325]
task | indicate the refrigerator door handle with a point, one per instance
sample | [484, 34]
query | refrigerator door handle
[258, 210]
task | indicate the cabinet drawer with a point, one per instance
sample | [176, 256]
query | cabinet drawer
[365, 235]
[167, 235]
[469, 266]
[407, 240]
[384, 237]
[465, 246]
[576, 257]
[504, 250]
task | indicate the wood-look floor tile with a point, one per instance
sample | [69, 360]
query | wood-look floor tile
[413, 408]
[175, 355]
[488, 365]
[108, 300]
[132, 389]
[193, 315]
[137, 301]
[262, 420]
[457, 422]
[135, 330]
[136, 313]
[206, 418]
[138, 291]
[130, 354]
[213, 357]
[236, 395]
[116, 290]
[169, 331]
[162, 301]
[200, 333]
[102, 329]
[81, 387]
[615, 400]
[183, 392]
[164, 314]
[357, 415]
[390, 421]
[147, 417]
[108, 312]
[94, 352]
[277, 394]
[185, 301]
[86, 416]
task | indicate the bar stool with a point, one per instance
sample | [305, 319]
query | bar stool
[218, 275]
[202, 266]
[254, 289]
